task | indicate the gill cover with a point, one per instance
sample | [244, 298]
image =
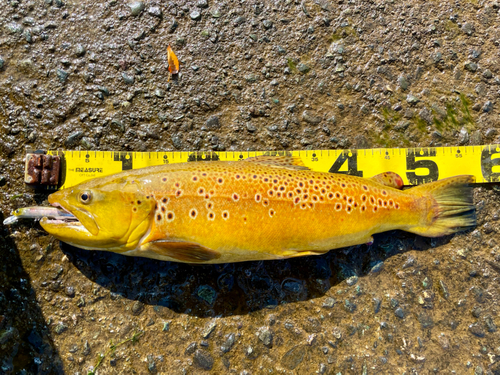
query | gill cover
[113, 214]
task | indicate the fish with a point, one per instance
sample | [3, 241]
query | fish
[37, 212]
[261, 208]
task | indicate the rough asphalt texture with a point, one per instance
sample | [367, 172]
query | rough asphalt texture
[268, 75]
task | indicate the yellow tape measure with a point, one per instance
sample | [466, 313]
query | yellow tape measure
[414, 165]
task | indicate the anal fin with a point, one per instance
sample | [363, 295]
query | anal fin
[183, 251]
[390, 179]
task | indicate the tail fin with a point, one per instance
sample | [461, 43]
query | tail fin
[451, 209]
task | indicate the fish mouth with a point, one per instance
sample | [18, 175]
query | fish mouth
[75, 221]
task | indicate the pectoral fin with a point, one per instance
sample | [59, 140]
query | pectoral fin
[390, 179]
[183, 251]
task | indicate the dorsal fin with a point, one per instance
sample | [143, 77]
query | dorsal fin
[183, 251]
[289, 162]
[390, 179]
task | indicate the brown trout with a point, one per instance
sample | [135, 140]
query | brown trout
[260, 208]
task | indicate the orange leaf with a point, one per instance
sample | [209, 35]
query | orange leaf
[173, 63]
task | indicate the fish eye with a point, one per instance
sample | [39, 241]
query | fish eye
[85, 197]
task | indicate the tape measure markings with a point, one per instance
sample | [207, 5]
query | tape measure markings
[415, 165]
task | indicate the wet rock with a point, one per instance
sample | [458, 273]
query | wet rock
[293, 357]
[137, 307]
[266, 337]
[476, 330]
[203, 359]
[228, 343]
[136, 7]
[207, 294]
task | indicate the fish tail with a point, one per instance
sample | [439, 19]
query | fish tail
[450, 207]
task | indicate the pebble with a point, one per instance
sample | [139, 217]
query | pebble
[444, 289]
[213, 122]
[137, 307]
[191, 348]
[203, 359]
[195, 15]
[251, 127]
[267, 24]
[349, 306]
[488, 106]
[468, 28]
[2, 62]
[239, 20]
[403, 82]
[266, 337]
[202, 4]
[73, 138]
[60, 328]
[155, 11]
[490, 324]
[62, 75]
[399, 313]
[70, 291]
[476, 330]
[14, 28]
[80, 50]
[136, 7]
[293, 357]
[310, 117]
[470, 66]
[129, 79]
[329, 302]
[463, 136]
[228, 343]
[412, 99]
[303, 68]
[209, 328]
[487, 73]
[352, 280]
[151, 364]
[159, 93]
